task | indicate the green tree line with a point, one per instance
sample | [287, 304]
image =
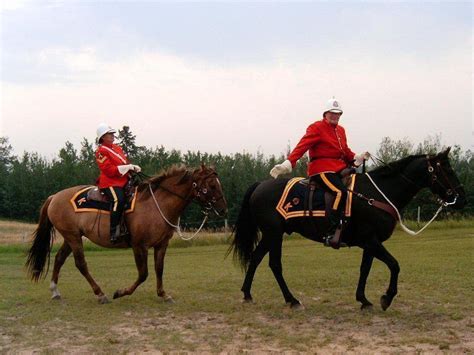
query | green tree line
[27, 180]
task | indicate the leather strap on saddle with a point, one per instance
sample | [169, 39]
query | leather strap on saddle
[378, 204]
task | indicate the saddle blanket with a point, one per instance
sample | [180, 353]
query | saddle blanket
[80, 203]
[292, 201]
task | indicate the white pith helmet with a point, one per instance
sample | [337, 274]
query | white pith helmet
[333, 106]
[104, 128]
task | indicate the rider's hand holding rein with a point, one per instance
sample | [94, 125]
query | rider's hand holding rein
[360, 158]
[123, 169]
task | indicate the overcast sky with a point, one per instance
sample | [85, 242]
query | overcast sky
[234, 77]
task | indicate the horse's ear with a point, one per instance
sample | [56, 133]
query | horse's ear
[445, 153]
[203, 166]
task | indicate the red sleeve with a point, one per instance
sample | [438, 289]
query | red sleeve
[105, 164]
[311, 137]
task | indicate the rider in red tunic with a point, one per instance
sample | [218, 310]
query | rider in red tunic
[329, 154]
[114, 167]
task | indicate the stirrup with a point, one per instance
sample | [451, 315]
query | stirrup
[116, 236]
[327, 240]
[334, 240]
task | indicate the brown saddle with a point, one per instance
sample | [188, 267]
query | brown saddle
[96, 195]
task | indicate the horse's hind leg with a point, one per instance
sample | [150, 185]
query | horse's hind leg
[61, 256]
[260, 251]
[141, 256]
[75, 242]
[277, 269]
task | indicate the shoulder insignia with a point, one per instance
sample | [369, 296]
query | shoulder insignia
[101, 158]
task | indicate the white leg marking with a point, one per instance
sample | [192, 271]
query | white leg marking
[54, 289]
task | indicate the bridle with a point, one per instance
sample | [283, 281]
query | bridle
[199, 190]
[449, 190]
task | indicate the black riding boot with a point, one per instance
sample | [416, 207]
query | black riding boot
[117, 201]
[334, 230]
[115, 230]
[114, 234]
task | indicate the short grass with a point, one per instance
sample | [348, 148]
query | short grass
[432, 312]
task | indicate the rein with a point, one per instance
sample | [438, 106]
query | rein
[433, 180]
[176, 226]
[405, 228]
[204, 208]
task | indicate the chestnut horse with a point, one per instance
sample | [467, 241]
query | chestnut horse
[159, 202]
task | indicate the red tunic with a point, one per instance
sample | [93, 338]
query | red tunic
[108, 162]
[327, 145]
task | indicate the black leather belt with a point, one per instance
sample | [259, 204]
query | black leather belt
[318, 158]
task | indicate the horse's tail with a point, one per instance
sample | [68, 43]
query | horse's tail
[41, 245]
[245, 231]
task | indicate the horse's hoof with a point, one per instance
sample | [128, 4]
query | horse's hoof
[168, 299]
[103, 299]
[297, 306]
[367, 307]
[117, 294]
[385, 302]
[56, 297]
[247, 300]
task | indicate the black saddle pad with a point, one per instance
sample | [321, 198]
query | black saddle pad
[80, 203]
[292, 201]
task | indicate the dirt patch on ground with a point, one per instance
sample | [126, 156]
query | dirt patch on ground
[216, 333]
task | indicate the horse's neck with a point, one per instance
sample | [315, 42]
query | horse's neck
[171, 198]
[178, 194]
[398, 190]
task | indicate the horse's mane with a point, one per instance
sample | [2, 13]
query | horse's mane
[174, 170]
[395, 167]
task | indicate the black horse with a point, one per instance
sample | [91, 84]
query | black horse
[367, 228]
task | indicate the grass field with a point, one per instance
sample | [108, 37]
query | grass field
[433, 312]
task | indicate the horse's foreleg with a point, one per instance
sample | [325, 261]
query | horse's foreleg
[160, 252]
[260, 251]
[78, 252]
[59, 260]
[383, 255]
[141, 261]
[277, 269]
[365, 267]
